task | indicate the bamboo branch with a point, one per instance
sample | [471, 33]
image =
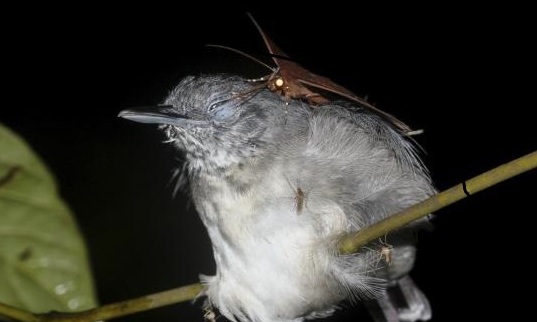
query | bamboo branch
[110, 311]
[352, 242]
[16, 314]
[115, 310]
[348, 244]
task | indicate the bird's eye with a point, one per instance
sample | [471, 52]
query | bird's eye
[217, 104]
[223, 109]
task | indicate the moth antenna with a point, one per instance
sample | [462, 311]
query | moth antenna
[243, 54]
[272, 48]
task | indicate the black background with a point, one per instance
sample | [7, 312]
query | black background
[465, 75]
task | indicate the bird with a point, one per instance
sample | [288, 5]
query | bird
[277, 182]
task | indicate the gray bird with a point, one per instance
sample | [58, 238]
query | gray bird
[277, 182]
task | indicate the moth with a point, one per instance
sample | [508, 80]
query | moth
[292, 81]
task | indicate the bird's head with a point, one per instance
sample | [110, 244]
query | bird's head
[218, 120]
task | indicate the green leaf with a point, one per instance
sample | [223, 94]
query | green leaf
[43, 259]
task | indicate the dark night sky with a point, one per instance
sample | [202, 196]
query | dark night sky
[465, 75]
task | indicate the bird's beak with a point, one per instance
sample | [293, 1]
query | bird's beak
[160, 114]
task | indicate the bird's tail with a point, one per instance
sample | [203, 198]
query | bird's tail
[402, 301]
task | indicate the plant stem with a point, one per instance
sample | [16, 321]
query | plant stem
[110, 311]
[352, 242]
[115, 310]
[16, 314]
